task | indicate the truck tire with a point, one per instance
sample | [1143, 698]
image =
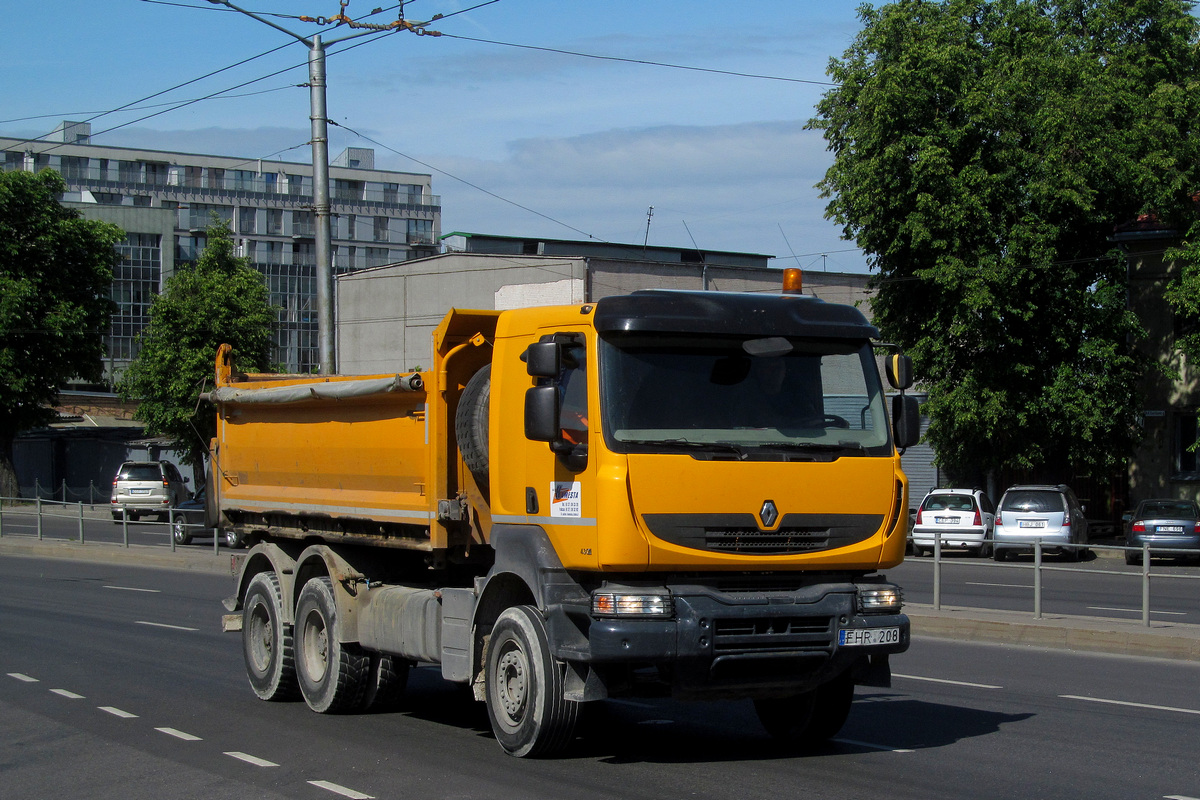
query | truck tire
[471, 424]
[811, 718]
[387, 677]
[524, 685]
[267, 642]
[332, 674]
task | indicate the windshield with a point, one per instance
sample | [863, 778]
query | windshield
[741, 395]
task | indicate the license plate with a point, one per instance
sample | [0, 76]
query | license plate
[1031, 523]
[1169, 529]
[946, 520]
[861, 637]
[139, 491]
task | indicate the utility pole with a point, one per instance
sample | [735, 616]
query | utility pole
[320, 155]
[649, 214]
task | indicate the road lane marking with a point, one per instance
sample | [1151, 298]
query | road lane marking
[249, 759]
[1179, 797]
[944, 680]
[164, 625]
[187, 737]
[1136, 610]
[1002, 585]
[67, 694]
[342, 790]
[133, 589]
[869, 745]
[116, 712]
[1150, 706]
[22, 677]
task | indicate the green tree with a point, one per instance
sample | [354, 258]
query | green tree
[56, 273]
[218, 300]
[984, 151]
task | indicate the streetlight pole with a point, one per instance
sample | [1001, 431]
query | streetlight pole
[320, 158]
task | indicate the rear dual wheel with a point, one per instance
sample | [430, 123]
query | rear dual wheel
[267, 641]
[332, 674]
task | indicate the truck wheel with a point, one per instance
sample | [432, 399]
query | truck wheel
[266, 641]
[180, 533]
[387, 676]
[471, 424]
[811, 718]
[529, 715]
[332, 674]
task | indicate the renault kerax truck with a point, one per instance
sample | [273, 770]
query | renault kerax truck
[669, 493]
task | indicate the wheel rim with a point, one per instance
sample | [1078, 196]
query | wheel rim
[512, 688]
[262, 637]
[316, 648]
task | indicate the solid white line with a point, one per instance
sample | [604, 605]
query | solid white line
[1002, 585]
[116, 712]
[164, 625]
[1136, 610]
[132, 589]
[1132, 705]
[342, 790]
[66, 694]
[22, 677]
[943, 680]
[249, 759]
[883, 747]
[187, 737]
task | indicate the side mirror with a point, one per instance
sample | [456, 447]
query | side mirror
[543, 359]
[541, 413]
[899, 371]
[906, 421]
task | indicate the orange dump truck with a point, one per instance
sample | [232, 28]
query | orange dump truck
[685, 493]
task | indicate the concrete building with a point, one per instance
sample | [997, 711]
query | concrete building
[165, 202]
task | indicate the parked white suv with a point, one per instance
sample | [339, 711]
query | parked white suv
[962, 517]
[147, 487]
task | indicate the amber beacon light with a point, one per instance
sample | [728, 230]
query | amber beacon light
[792, 281]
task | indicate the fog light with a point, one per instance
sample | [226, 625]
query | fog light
[880, 598]
[618, 604]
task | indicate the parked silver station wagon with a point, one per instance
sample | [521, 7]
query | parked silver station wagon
[1052, 515]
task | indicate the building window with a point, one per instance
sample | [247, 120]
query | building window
[377, 256]
[156, 173]
[193, 177]
[275, 221]
[347, 190]
[246, 220]
[1186, 455]
[216, 178]
[381, 229]
[420, 231]
[135, 282]
[304, 223]
[74, 168]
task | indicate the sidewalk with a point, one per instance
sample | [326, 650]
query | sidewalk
[1091, 634]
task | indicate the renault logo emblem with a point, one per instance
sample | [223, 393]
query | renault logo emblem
[768, 514]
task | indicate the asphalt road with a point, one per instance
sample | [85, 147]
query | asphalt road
[116, 683]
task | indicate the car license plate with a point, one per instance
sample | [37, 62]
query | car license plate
[1169, 529]
[139, 491]
[946, 520]
[861, 637]
[1031, 523]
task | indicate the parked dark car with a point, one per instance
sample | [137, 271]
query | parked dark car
[189, 521]
[1163, 522]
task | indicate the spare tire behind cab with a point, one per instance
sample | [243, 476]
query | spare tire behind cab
[471, 424]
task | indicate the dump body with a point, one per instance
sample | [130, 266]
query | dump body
[687, 491]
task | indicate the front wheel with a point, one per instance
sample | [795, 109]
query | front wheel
[810, 718]
[332, 674]
[525, 703]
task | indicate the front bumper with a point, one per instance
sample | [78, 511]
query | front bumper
[719, 644]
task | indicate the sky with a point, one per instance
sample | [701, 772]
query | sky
[524, 133]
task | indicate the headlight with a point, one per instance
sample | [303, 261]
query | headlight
[622, 604]
[874, 599]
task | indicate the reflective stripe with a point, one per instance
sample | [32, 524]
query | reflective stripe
[356, 511]
[511, 519]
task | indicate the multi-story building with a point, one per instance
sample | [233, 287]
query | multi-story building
[165, 202]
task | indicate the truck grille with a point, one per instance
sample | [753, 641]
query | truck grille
[773, 635]
[741, 533]
[752, 540]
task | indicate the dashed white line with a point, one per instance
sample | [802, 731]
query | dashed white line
[871, 746]
[134, 589]
[249, 759]
[164, 625]
[1149, 706]
[178, 734]
[1179, 797]
[342, 790]
[116, 712]
[22, 677]
[1136, 610]
[1001, 585]
[67, 694]
[944, 680]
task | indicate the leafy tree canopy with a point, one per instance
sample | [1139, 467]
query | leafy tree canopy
[56, 272]
[218, 300]
[984, 151]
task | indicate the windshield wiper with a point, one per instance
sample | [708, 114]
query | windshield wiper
[688, 444]
[817, 447]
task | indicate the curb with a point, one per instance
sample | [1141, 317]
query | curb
[135, 555]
